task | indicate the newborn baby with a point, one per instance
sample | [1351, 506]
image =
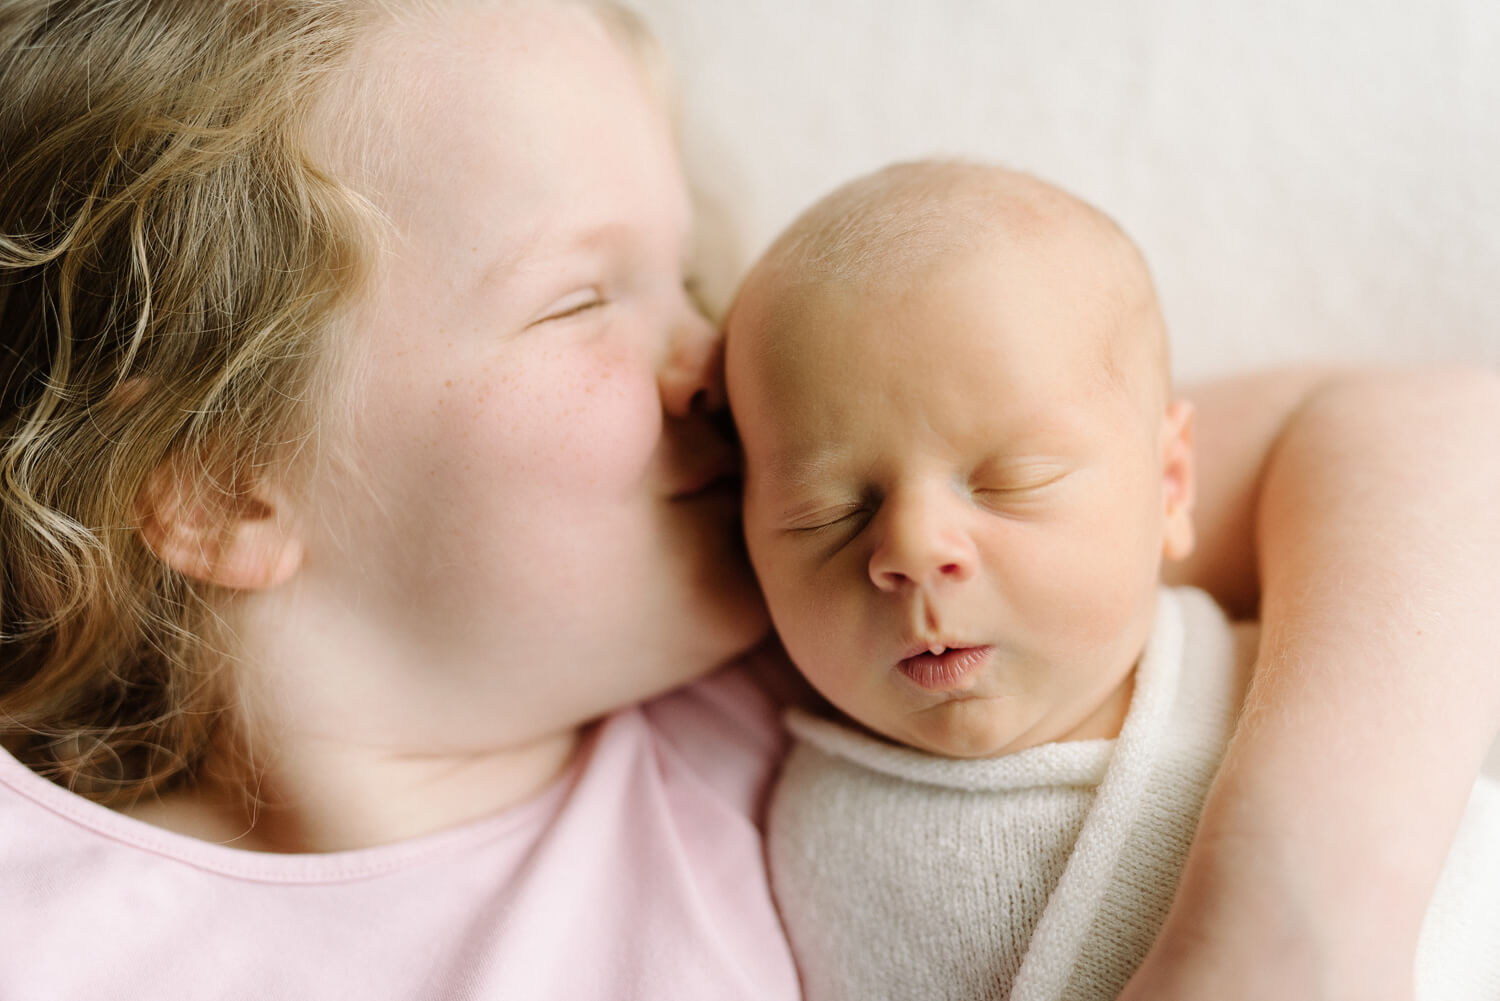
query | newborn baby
[964, 467]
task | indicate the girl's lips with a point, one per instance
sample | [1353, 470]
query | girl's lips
[710, 486]
[700, 460]
[946, 671]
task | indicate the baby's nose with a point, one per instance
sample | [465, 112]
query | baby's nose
[922, 547]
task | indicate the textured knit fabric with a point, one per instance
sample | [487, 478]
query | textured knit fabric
[904, 875]
[639, 874]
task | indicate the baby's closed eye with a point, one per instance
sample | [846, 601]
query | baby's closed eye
[811, 520]
[1020, 474]
[1019, 482]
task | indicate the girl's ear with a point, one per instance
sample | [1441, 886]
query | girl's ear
[1179, 487]
[239, 539]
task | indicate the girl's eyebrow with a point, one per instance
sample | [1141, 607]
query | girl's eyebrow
[536, 243]
[533, 247]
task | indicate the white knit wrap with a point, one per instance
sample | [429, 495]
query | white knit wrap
[1046, 874]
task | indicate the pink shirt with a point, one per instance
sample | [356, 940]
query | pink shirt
[639, 874]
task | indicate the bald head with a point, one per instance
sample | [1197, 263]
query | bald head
[900, 225]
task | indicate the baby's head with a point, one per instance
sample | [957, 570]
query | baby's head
[963, 468]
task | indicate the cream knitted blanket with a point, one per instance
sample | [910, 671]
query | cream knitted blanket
[1046, 874]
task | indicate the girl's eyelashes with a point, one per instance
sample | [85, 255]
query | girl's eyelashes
[591, 297]
[572, 304]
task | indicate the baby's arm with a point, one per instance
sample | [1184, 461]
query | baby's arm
[1363, 508]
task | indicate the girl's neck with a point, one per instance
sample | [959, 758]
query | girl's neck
[362, 736]
[320, 797]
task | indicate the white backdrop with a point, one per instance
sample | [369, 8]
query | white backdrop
[1309, 178]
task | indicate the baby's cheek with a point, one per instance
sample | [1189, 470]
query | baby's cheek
[1090, 594]
[819, 630]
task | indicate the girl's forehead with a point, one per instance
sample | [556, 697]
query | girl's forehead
[505, 110]
[429, 82]
[510, 147]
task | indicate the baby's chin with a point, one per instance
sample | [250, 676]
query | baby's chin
[979, 727]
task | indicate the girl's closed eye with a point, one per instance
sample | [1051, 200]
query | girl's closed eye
[572, 304]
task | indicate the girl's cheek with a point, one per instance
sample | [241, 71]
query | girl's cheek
[587, 420]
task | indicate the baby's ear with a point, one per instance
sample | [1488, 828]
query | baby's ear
[235, 536]
[1179, 487]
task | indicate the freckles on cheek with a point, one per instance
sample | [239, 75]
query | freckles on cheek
[564, 426]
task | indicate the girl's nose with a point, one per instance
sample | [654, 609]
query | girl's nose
[691, 378]
[923, 546]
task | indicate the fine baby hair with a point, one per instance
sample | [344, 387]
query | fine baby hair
[908, 216]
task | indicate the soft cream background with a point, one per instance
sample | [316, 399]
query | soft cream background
[1309, 178]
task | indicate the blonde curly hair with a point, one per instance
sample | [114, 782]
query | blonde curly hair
[172, 259]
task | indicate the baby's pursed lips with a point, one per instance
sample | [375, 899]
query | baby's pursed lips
[940, 668]
[931, 646]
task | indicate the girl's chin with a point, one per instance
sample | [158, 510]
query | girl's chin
[747, 623]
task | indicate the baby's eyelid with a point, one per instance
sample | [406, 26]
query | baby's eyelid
[825, 519]
[1023, 476]
[1021, 492]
